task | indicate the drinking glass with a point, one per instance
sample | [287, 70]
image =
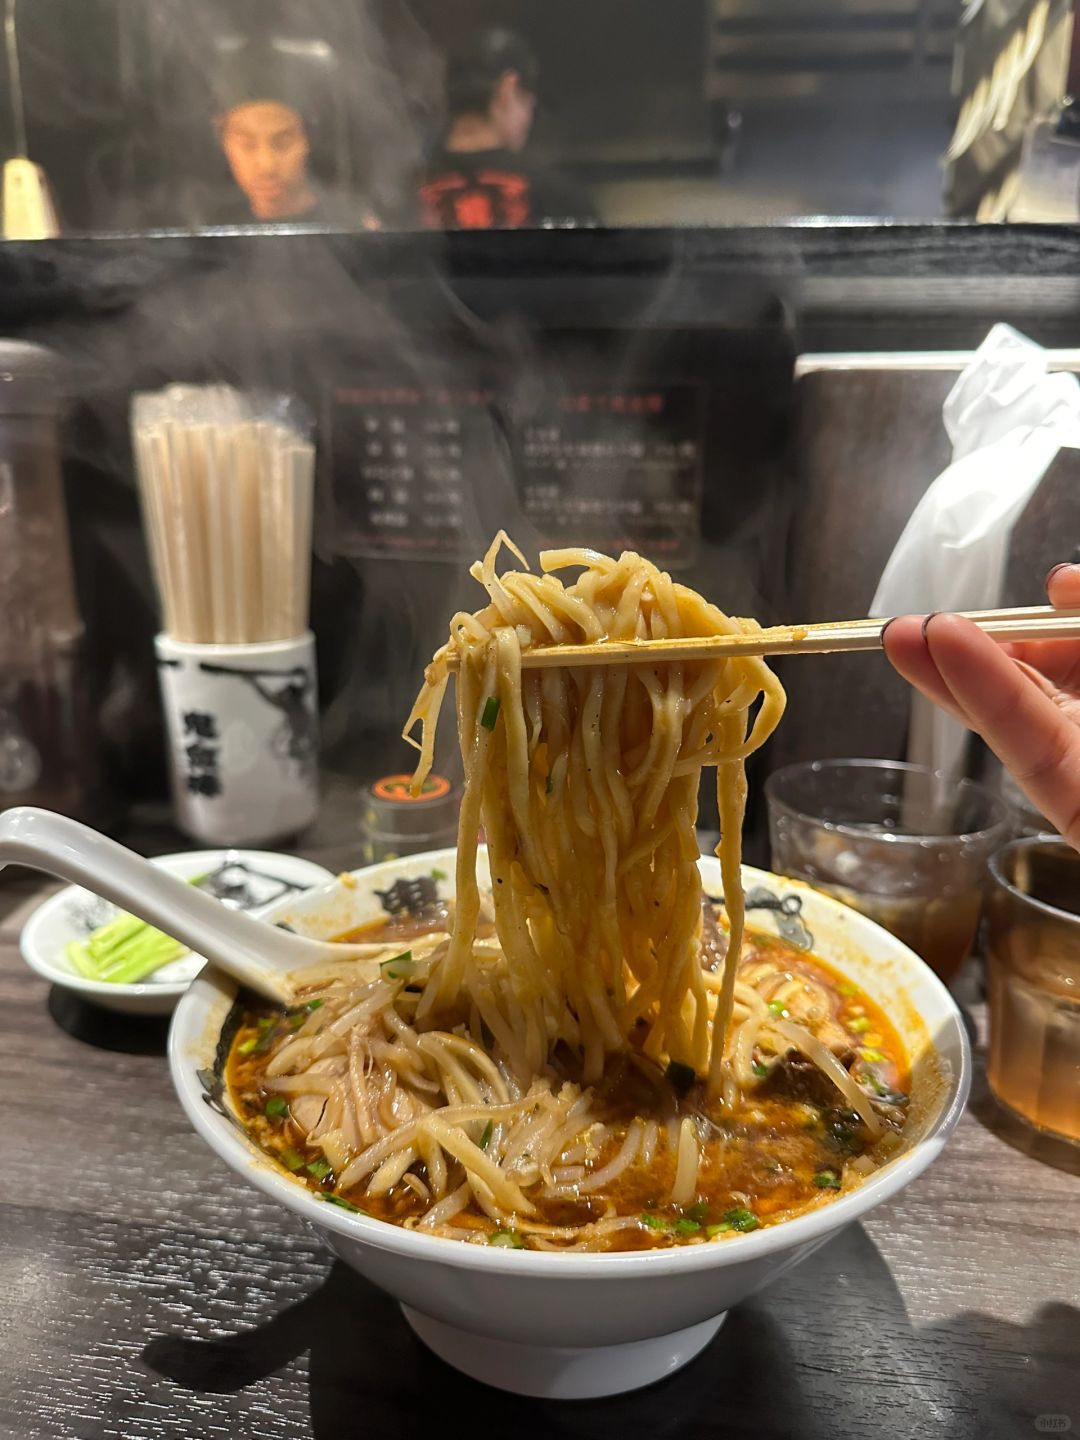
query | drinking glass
[902, 843]
[1033, 973]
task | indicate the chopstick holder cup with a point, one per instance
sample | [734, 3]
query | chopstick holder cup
[242, 730]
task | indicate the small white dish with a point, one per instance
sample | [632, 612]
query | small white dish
[584, 1325]
[72, 913]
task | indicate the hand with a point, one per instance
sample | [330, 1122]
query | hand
[1023, 699]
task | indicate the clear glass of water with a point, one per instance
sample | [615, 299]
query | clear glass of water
[1033, 975]
[901, 843]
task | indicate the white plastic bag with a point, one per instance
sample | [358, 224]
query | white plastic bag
[1007, 417]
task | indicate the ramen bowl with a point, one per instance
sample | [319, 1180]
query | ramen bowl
[580, 1325]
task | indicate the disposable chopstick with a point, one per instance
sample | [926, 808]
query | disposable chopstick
[1033, 623]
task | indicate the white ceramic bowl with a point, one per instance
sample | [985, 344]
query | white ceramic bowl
[72, 913]
[581, 1325]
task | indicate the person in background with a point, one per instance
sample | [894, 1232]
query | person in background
[1022, 699]
[264, 125]
[479, 178]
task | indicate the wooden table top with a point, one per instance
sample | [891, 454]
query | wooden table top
[145, 1291]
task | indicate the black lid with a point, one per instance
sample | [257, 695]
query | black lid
[29, 379]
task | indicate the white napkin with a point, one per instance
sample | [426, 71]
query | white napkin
[1007, 417]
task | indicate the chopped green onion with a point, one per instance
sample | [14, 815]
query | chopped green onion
[292, 1159]
[438, 874]
[712, 1230]
[870, 1055]
[406, 966]
[319, 1169]
[760, 1069]
[266, 1022]
[314, 1004]
[777, 1007]
[506, 1239]
[295, 1021]
[827, 1180]
[846, 988]
[687, 1227]
[880, 1089]
[680, 1076]
[859, 1025]
[654, 1222]
[485, 1138]
[699, 1211]
[491, 712]
[742, 1219]
[277, 1105]
[344, 1204]
[247, 1046]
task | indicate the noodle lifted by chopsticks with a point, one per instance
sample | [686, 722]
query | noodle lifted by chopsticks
[586, 784]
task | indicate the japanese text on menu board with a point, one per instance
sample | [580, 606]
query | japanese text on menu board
[420, 473]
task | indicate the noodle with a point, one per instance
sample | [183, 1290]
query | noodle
[596, 892]
[476, 1083]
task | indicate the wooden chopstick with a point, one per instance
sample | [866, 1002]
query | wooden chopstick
[1037, 622]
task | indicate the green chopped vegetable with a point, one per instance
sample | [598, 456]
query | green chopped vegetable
[719, 1229]
[314, 1004]
[266, 1022]
[827, 1180]
[880, 1089]
[485, 1138]
[654, 1222]
[277, 1105]
[777, 1007]
[760, 1069]
[741, 1219]
[319, 1169]
[399, 967]
[438, 874]
[343, 1204]
[870, 1055]
[491, 712]
[680, 1076]
[687, 1226]
[292, 1159]
[846, 988]
[859, 1025]
[699, 1211]
[247, 1046]
[507, 1239]
[125, 950]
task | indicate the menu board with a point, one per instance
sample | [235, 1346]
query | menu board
[431, 473]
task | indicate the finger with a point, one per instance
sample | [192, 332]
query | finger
[1020, 723]
[1057, 660]
[1063, 586]
[905, 645]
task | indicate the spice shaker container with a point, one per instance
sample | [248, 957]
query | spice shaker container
[396, 823]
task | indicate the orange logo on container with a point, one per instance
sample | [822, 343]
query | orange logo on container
[399, 789]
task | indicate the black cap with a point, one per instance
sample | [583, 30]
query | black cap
[259, 71]
[475, 67]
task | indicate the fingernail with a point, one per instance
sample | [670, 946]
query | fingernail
[1062, 565]
[926, 622]
[881, 636]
